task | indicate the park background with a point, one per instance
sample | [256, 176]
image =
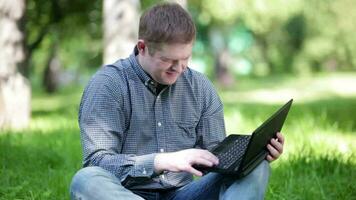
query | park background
[258, 53]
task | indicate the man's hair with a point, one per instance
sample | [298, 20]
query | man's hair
[166, 23]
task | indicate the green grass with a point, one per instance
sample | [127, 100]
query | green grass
[38, 163]
[319, 161]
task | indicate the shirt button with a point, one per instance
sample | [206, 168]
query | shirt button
[158, 97]
[161, 150]
[159, 124]
[144, 171]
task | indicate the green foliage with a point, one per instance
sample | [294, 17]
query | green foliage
[296, 36]
[72, 28]
[263, 38]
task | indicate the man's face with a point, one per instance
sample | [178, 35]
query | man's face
[167, 63]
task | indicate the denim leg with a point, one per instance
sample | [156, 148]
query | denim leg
[95, 183]
[252, 186]
[207, 188]
[215, 186]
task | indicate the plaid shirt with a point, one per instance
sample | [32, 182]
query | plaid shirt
[124, 122]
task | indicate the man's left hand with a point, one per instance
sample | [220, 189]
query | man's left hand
[275, 147]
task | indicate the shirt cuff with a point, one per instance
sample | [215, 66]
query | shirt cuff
[144, 165]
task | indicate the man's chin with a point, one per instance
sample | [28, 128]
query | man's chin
[168, 81]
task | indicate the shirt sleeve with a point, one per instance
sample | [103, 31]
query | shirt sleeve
[211, 126]
[102, 124]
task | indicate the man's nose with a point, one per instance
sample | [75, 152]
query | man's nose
[179, 66]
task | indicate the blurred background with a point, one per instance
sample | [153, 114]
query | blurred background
[258, 53]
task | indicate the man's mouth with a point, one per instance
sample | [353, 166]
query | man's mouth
[172, 73]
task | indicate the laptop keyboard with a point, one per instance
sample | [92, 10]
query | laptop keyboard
[235, 152]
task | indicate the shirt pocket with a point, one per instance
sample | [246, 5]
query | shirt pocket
[186, 134]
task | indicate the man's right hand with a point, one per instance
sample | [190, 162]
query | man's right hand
[183, 161]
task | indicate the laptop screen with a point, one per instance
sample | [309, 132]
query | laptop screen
[262, 135]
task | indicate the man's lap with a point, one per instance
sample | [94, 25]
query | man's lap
[90, 181]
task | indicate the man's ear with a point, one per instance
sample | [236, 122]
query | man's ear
[141, 46]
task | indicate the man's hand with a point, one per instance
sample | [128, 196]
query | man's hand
[183, 161]
[275, 147]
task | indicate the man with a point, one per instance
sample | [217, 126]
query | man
[148, 119]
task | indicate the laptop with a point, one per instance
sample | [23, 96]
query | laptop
[240, 154]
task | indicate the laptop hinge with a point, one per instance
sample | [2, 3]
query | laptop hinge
[257, 159]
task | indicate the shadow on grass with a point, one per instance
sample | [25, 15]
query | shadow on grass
[337, 112]
[71, 111]
[308, 177]
[63, 103]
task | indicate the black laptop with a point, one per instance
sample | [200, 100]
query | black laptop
[240, 154]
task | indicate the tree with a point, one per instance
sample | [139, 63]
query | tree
[15, 91]
[121, 20]
[214, 22]
[120, 28]
[62, 34]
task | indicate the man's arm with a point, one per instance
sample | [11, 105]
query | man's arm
[102, 124]
[184, 160]
[211, 125]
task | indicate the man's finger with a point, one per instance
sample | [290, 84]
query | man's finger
[202, 161]
[270, 158]
[208, 156]
[277, 145]
[280, 137]
[272, 151]
[212, 158]
[194, 171]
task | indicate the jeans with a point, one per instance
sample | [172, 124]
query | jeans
[95, 183]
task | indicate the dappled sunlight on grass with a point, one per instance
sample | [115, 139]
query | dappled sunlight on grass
[300, 89]
[55, 112]
[52, 123]
[68, 99]
[335, 145]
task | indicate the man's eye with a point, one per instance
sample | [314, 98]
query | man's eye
[166, 60]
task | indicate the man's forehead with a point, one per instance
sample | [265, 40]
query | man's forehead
[175, 51]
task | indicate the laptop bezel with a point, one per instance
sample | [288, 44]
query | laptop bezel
[244, 165]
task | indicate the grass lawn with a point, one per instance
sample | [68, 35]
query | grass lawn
[319, 161]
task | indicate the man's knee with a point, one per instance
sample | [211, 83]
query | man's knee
[95, 183]
[262, 171]
[89, 180]
[252, 186]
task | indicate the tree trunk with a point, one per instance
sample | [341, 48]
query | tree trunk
[221, 57]
[15, 94]
[52, 71]
[120, 28]
[222, 62]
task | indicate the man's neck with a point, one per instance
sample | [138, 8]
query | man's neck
[141, 64]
